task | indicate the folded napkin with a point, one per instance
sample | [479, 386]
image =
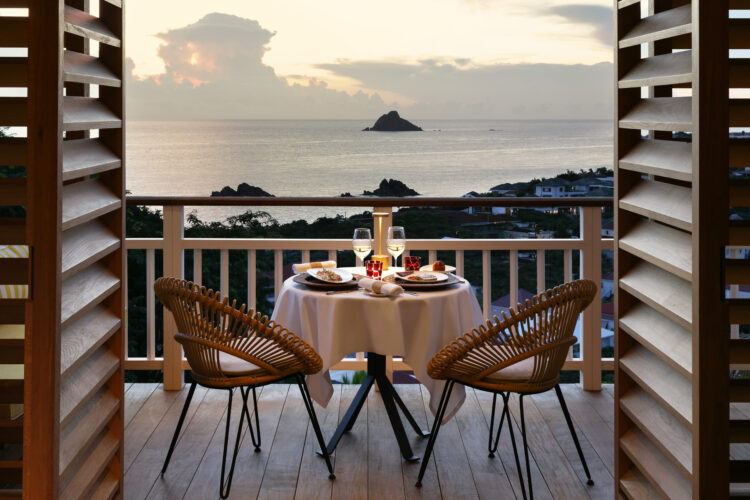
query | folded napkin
[380, 287]
[302, 268]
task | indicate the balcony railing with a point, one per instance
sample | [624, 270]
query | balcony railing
[174, 245]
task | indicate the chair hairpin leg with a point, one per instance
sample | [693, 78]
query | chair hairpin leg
[526, 449]
[444, 398]
[492, 447]
[254, 436]
[314, 421]
[224, 487]
[179, 427]
[506, 411]
[564, 407]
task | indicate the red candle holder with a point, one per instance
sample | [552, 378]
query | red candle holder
[374, 269]
[412, 262]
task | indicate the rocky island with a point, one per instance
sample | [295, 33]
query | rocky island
[388, 187]
[392, 122]
[243, 189]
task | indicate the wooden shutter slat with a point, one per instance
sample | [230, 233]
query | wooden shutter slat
[85, 290]
[637, 487]
[662, 474]
[739, 4]
[670, 23]
[739, 153]
[739, 113]
[739, 73]
[12, 231]
[672, 159]
[109, 484]
[739, 232]
[739, 351]
[660, 113]
[627, 3]
[85, 335]
[739, 192]
[739, 431]
[12, 191]
[739, 390]
[85, 244]
[83, 68]
[10, 471]
[11, 391]
[662, 246]
[11, 431]
[739, 36]
[737, 271]
[92, 468]
[116, 3]
[12, 311]
[85, 113]
[667, 69]
[83, 24]
[82, 157]
[12, 111]
[80, 433]
[661, 381]
[669, 434]
[84, 201]
[80, 385]
[660, 201]
[11, 352]
[14, 271]
[13, 71]
[13, 151]
[739, 471]
[14, 32]
[665, 292]
[662, 336]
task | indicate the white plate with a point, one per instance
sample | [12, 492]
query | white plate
[448, 269]
[439, 276]
[346, 276]
[373, 294]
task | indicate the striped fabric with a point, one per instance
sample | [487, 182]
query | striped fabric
[13, 291]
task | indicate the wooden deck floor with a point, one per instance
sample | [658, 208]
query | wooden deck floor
[367, 462]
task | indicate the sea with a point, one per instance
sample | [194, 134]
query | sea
[330, 157]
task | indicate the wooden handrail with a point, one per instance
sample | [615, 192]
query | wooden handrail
[366, 201]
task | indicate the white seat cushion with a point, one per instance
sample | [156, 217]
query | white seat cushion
[517, 371]
[234, 366]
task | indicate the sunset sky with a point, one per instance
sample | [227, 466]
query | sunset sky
[308, 35]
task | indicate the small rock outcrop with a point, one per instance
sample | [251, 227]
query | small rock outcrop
[392, 122]
[391, 187]
[243, 189]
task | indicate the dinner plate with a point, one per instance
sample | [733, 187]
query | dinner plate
[316, 284]
[345, 275]
[448, 269]
[439, 277]
[424, 286]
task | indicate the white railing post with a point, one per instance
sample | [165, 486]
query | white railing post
[198, 267]
[541, 277]
[173, 266]
[591, 268]
[252, 276]
[487, 283]
[150, 305]
[224, 273]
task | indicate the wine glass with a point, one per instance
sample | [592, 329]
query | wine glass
[362, 242]
[396, 242]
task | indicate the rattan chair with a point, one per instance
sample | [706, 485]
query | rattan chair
[523, 353]
[230, 348]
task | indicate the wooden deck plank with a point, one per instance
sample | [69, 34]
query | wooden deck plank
[414, 400]
[143, 469]
[205, 481]
[367, 463]
[489, 474]
[384, 479]
[249, 472]
[591, 424]
[312, 481]
[190, 448]
[280, 478]
[136, 398]
[549, 407]
[505, 450]
[350, 467]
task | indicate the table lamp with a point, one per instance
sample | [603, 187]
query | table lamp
[378, 253]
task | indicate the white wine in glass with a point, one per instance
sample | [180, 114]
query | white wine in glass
[396, 242]
[362, 242]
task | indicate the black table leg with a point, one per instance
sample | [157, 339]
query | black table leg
[376, 373]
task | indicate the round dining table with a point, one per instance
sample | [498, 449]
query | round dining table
[415, 326]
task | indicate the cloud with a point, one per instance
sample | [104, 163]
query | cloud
[596, 16]
[214, 69]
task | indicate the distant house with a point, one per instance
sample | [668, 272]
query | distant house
[502, 305]
[484, 210]
[553, 188]
[608, 285]
[608, 228]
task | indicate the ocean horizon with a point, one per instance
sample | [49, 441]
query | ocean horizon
[329, 157]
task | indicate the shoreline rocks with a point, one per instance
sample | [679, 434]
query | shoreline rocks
[243, 189]
[388, 187]
[392, 122]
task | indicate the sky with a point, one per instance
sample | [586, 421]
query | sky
[466, 59]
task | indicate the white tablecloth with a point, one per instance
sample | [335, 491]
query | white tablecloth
[413, 326]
